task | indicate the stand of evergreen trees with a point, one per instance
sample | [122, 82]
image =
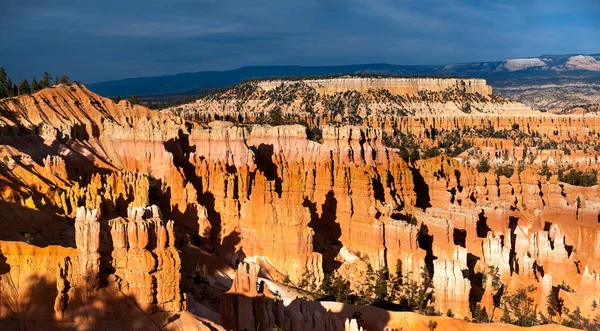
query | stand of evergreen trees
[8, 88]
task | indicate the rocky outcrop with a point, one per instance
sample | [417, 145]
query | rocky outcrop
[87, 239]
[146, 263]
[451, 288]
[251, 305]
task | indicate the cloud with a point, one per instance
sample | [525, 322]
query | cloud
[166, 30]
[113, 39]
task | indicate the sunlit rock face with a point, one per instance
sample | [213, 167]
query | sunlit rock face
[107, 199]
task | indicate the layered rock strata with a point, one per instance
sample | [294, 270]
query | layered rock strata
[303, 208]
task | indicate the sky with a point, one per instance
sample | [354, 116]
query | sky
[94, 41]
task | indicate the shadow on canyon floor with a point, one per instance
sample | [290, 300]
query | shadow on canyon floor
[28, 303]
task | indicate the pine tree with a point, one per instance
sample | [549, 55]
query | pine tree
[519, 308]
[554, 304]
[134, 99]
[45, 82]
[64, 79]
[3, 83]
[34, 85]
[24, 87]
[9, 87]
[56, 81]
[425, 294]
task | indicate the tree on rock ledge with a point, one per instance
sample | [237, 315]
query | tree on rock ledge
[134, 99]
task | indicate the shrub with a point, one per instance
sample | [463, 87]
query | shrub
[201, 274]
[413, 221]
[28, 237]
[314, 134]
[579, 178]
[506, 171]
[432, 325]
[276, 117]
[432, 152]
[545, 171]
[483, 166]
[164, 318]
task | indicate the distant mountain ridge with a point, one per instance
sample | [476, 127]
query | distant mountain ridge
[499, 74]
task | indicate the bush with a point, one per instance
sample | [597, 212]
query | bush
[413, 221]
[579, 178]
[506, 171]
[314, 134]
[276, 117]
[164, 318]
[201, 274]
[28, 237]
[432, 325]
[432, 152]
[483, 166]
[545, 171]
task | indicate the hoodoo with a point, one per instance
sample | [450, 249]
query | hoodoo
[320, 204]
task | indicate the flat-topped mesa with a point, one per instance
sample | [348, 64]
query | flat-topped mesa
[395, 85]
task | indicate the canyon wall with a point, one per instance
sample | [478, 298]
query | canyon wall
[107, 194]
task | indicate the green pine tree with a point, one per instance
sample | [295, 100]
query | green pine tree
[34, 85]
[10, 87]
[45, 82]
[24, 87]
[3, 83]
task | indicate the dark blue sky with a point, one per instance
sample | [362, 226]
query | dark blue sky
[96, 40]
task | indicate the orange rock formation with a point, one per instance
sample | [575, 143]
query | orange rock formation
[122, 189]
